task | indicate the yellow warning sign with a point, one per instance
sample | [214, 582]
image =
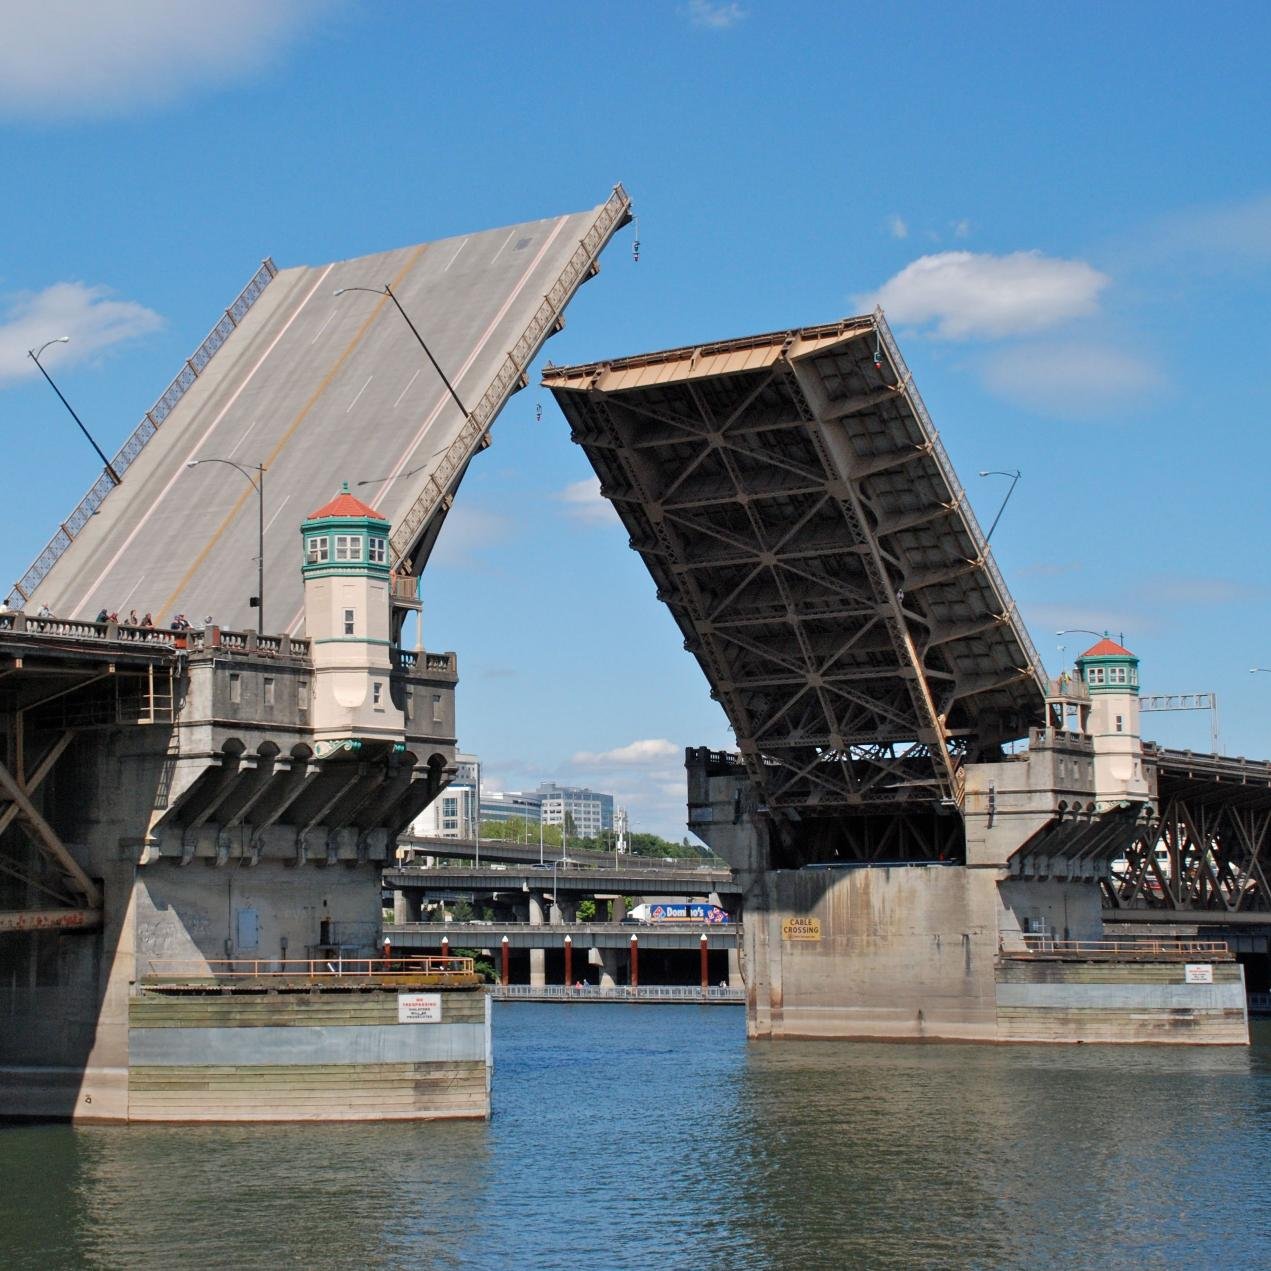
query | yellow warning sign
[801, 929]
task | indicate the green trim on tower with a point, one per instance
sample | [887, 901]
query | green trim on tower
[349, 523]
[1105, 664]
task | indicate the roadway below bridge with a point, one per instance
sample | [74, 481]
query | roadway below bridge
[506, 852]
[579, 882]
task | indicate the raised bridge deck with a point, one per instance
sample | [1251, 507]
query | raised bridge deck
[320, 389]
[791, 498]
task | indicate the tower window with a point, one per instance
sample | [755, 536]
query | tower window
[1120, 724]
[348, 547]
[269, 690]
[377, 693]
[317, 550]
[235, 688]
[349, 621]
[302, 696]
[436, 708]
[377, 551]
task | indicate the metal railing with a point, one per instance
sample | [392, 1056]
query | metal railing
[316, 969]
[194, 366]
[904, 377]
[614, 214]
[614, 993]
[1018, 943]
[1260, 1003]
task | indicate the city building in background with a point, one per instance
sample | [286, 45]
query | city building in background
[512, 805]
[590, 812]
[452, 815]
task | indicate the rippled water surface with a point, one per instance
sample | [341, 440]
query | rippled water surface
[655, 1136]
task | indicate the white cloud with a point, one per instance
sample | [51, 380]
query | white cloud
[896, 226]
[715, 15]
[63, 58]
[93, 320]
[1072, 379]
[654, 750]
[961, 228]
[969, 294]
[584, 502]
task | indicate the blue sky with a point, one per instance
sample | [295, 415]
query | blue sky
[1065, 210]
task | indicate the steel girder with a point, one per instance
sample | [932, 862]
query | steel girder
[802, 522]
[1208, 845]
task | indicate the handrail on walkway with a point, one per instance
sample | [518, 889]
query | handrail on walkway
[1019, 944]
[615, 993]
[317, 969]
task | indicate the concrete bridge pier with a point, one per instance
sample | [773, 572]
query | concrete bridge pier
[538, 957]
[605, 961]
[407, 906]
[1008, 946]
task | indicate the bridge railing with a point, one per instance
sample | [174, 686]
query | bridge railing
[82, 629]
[615, 993]
[1019, 944]
[918, 406]
[194, 366]
[184, 970]
[615, 212]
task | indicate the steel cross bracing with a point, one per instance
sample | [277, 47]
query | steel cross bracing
[804, 526]
[1208, 844]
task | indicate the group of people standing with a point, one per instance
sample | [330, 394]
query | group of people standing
[130, 621]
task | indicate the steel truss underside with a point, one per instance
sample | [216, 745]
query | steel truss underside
[801, 520]
[1213, 821]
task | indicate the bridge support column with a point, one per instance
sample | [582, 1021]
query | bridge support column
[538, 958]
[606, 960]
[734, 969]
[406, 906]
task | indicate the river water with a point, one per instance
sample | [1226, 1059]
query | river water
[656, 1136]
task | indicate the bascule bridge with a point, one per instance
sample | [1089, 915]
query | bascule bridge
[921, 823]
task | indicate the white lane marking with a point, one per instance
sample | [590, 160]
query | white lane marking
[471, 358]
[242, 439]
[324, 326]
[506, 241]
[406, 390]
[455, 257]
[444, 398]
[276, 515]
[128, 597]
[207, 432]
[360, 391]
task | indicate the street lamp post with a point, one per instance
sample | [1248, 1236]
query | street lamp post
[1098, 635]
[34, 355]
[258, 484]
[388, 291]
[1014, 476]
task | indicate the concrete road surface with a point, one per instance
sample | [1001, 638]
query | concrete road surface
[321, 389]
